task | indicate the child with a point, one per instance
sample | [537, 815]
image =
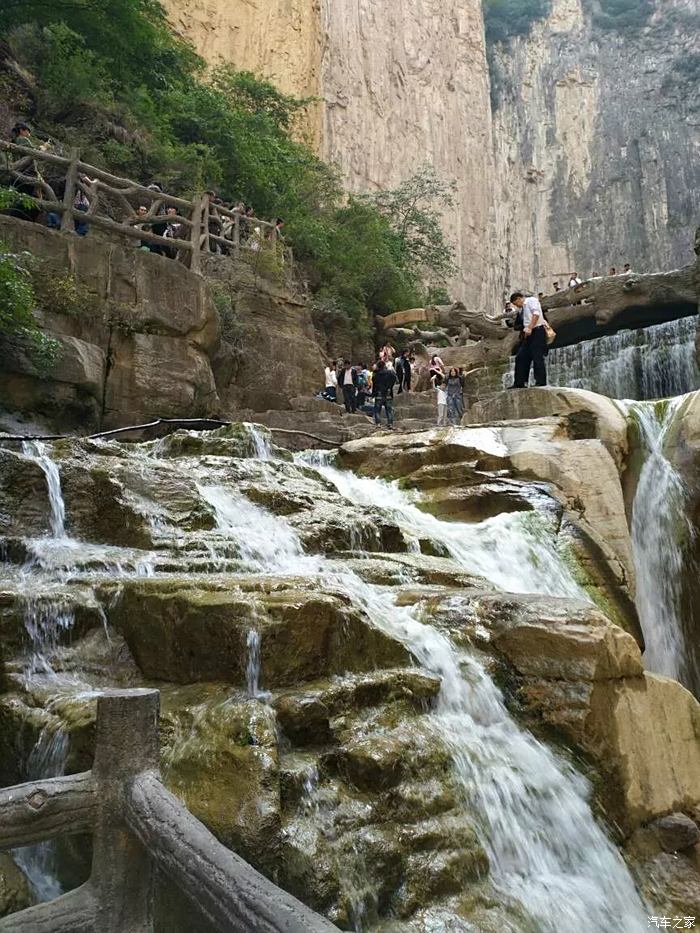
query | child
[441, 391]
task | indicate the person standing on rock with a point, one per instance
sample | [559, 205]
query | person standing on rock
[533, 346]
[406, 366]
[455, 401]
[383, 383]
[331, 391]
[441, 395]
[349, 396]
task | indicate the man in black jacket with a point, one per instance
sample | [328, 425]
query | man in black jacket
[383, 383]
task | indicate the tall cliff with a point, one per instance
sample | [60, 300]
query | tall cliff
[400, 84]
[596, 139]
[577, 150]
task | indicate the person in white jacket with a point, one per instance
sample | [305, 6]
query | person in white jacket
[331, 390]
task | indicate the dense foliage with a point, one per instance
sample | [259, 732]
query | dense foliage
[623, 15]
[113, 79]
[18, 327]
[505, 19]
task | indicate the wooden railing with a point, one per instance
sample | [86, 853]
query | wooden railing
[111, 204]
[137, 826]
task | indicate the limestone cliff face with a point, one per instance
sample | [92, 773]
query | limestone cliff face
[406, 83]
[280, 39]
[596, 137]
[587, 158]
[401, 84]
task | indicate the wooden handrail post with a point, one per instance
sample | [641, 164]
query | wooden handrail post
[237, 233]
[127, 745]
[206, 211]
[67, 222]
[196, 235]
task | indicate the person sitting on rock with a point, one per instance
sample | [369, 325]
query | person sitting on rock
[383, 382]
[556, 286]
[437, 367]
[627, 269]
[574, 280]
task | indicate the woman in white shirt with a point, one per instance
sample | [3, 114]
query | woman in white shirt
[331, 390]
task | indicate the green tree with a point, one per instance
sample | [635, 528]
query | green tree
[414, 211]
[113, 80]
[18, 325]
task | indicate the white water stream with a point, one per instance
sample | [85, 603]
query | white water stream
[654, 362]
[548, 854]
[660, 527]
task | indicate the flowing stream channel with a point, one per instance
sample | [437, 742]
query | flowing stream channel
[660, 531]
[548, 855]
[650, 363]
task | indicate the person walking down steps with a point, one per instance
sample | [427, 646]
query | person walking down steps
[383, 383]
[533, 342]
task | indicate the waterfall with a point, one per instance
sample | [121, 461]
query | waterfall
[548, 855]
[659, 528]
[47, 759]
[39, 453]
[252, 669]
[654, 362]
[546, 850]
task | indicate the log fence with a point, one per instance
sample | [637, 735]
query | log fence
[138, 827]
[197, 227]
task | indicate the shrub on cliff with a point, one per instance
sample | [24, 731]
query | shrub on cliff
[622, 15]
[18, 326]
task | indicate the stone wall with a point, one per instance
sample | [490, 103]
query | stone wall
[141, 337]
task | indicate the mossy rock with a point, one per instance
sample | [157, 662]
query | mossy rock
[220, 756]
[15, 891]
[306, 716]
[24, 496]
[186, 635]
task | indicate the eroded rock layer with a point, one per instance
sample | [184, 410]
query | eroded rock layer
[373, 672]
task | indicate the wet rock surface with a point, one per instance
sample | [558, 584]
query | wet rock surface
[322, 643]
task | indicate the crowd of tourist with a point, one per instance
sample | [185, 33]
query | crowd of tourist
[370, 389]
[226, 222]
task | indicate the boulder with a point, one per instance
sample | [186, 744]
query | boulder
[195, 634]
[587, 414]
[24, 496]
[15, 892]
[676, 832]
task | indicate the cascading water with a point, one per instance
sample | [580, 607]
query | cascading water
[655, 362]
[39, 453]
[253, 663]
[47, 759]
[546, 851]
[548, 855]
[660, 528]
